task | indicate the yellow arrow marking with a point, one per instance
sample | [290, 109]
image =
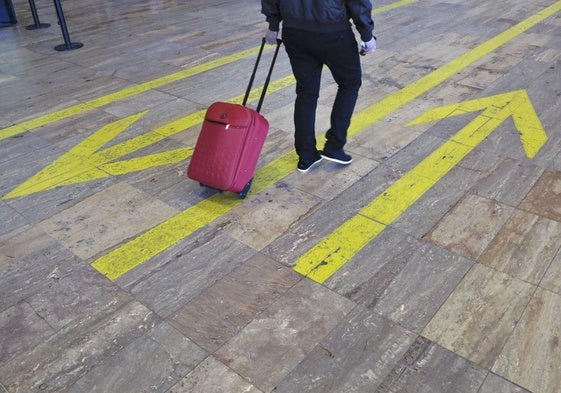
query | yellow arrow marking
[164, 235]
[85, 163]
[325, 258]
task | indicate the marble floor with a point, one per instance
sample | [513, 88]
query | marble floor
[431, 264]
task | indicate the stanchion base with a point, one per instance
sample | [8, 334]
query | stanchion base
[39, 26]
[73, 45]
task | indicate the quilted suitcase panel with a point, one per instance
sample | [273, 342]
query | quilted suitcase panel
[228, 147]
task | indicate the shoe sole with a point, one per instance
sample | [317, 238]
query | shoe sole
[310, 167]
[337, 161]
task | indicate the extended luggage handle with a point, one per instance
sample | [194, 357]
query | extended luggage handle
[267, 80]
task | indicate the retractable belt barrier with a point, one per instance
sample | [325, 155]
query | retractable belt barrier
[8, 18]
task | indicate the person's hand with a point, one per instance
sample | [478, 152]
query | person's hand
[367, 47]
[271, 37]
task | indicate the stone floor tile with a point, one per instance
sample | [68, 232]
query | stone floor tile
[278, 339]
[509, 182]
[30, 263]
[330, 179]
[184, 276]
[75, 290]
[67, 133]
[43, 205]
[429, 209]
[221, 311]
[532, 356]
[496, 384]
[23, 244]
[58, 362]
[14, 176]
[211, 376]
[411, 155]
[470, 226]
[382, 141]
[366, 276]
[544, 199]
[422, 286]
[355, 357]
[557, 163]
[35, 160]
[524, 247]
[95, 224]
[552, 277]
[155, 362]
[428, 368]
[22, 329]
[170, 185]
[141, 102]
[11, 220]
[267, 216]
[400, 277]
[306, 232]
[480, 314]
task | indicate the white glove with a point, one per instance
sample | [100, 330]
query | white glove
[367, 47]
[271, 37]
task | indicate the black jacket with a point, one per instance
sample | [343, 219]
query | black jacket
[320, 15]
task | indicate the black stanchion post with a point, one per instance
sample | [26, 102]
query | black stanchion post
[68, 45]
[37, 23]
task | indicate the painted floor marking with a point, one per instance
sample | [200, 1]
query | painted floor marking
[392, 6]
[74, 110]
[149, 244]
[331, 253]
[77, 109]
[86, 162]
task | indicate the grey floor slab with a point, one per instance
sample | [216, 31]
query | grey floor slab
[427, 367]
[156, 362]
[221, 311]
[185, 276]
[355, 357]
[269, 347]
[211, 376]
[58, 362]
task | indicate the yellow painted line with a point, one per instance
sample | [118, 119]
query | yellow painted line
[78, 109]
[389, 205]
[335, 250]
[164, 235]
[86, 162]
[392, 6]
[147, 245]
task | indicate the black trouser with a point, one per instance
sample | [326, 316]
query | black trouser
[308, 53]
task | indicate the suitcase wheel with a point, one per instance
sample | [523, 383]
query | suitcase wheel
[245, 190]
[211, 188]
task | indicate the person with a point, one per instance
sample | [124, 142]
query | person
[317, 33]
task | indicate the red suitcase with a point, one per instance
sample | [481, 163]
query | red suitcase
[230, 141]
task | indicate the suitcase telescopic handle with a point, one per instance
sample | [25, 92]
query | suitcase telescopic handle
[267, 80]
